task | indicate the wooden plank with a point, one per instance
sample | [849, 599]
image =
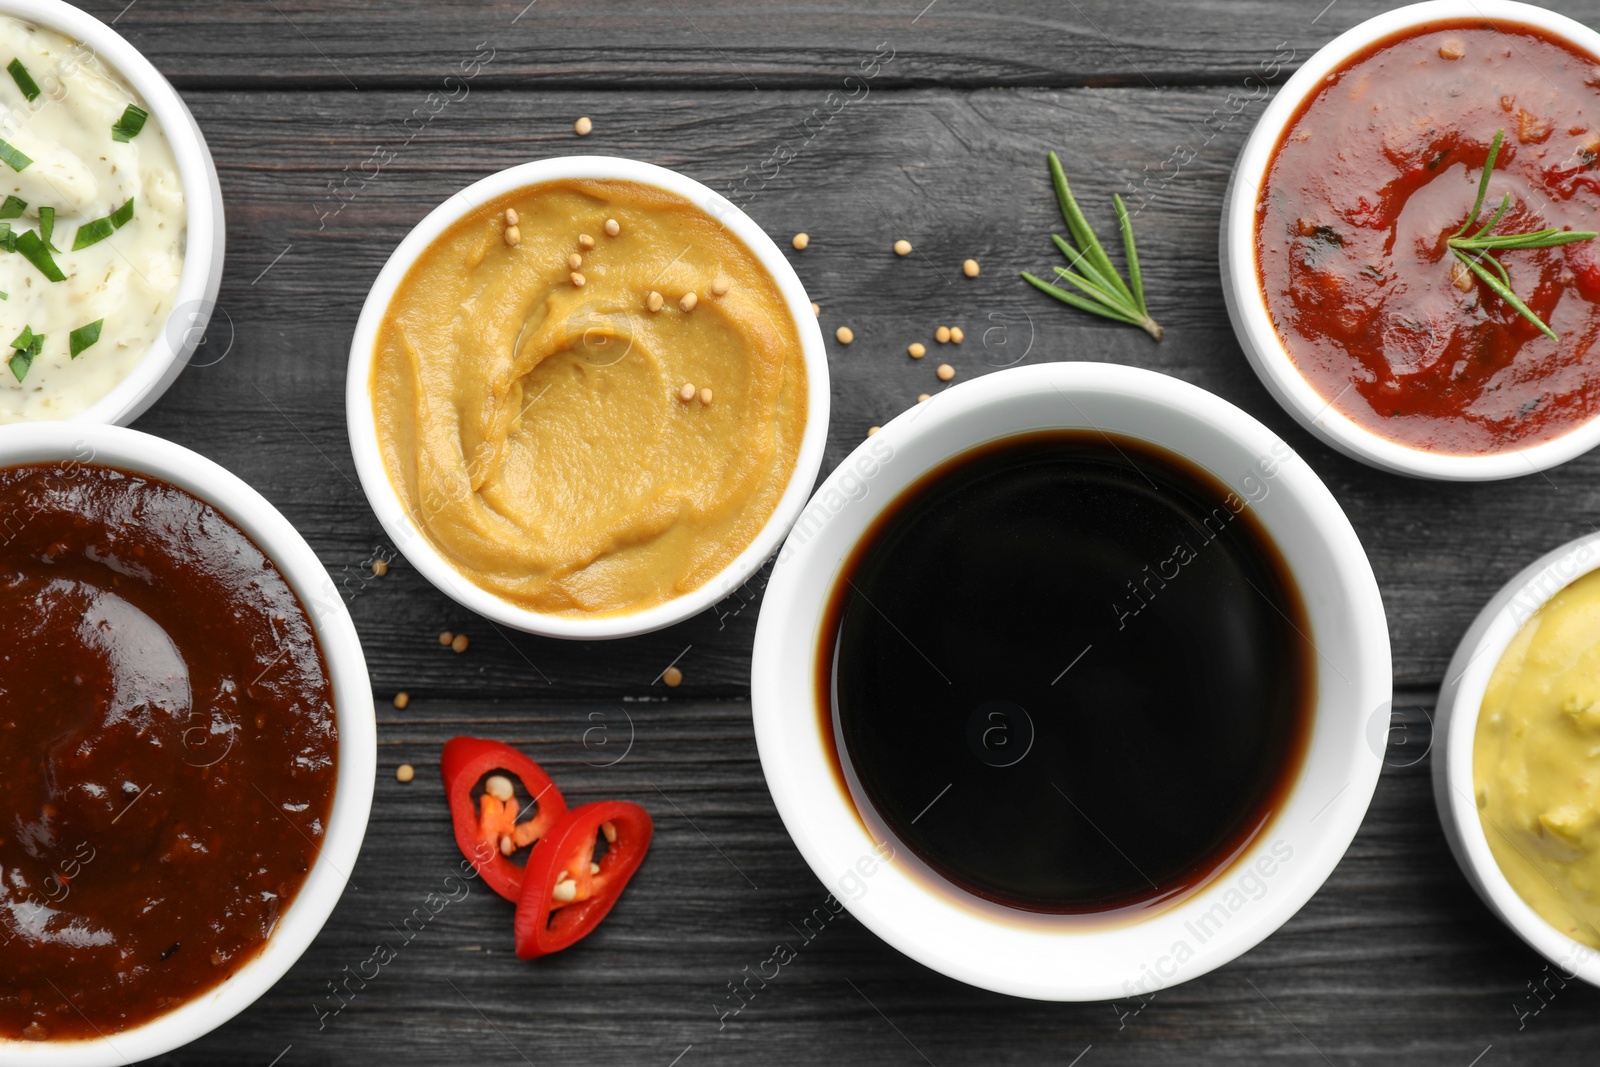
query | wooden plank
[732, 44]
[957, 173]
[1394, 956]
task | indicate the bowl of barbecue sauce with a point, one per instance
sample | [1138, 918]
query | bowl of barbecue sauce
[1072, 683]
[187, 745]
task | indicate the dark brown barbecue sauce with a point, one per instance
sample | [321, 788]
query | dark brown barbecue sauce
[1071, 672]
[167, 749]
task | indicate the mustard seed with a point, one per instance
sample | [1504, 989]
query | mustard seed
[613, 227]
[585, 242]
[574, 261]
[720, 285]
[924, 398]
[816, 309]
[673, 677]
[902, 247]
[405, 772]
[844, 335]
[459, 644]
[445, 637]
[512, 236]
[872, 430]
[917, 349]
[686, 393]
[654, 301]
[800, 241]
[380, 567]
[401, 700]
[945, 372]
[706, 396]
[970, 268]
[942, 335]
[582, 126]
[957, 335]
[576, 279]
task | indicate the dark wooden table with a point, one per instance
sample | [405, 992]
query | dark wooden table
[944, 145]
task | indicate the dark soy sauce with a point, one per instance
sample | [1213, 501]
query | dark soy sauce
[1071, 672]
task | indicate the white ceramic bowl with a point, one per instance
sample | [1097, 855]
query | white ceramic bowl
[1242, 290]
[392, 512]
[1455, 727]
[1037, 956]
[352, 697]
[202, 257]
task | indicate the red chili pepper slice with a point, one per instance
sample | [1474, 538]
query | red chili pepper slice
[488, 832]
[565, 893]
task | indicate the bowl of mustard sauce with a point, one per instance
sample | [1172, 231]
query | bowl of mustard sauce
[587, 397]
[1517, 780]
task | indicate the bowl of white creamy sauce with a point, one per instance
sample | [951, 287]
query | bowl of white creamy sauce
[111, 230]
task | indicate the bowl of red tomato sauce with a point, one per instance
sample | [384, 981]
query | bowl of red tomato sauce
[1408, 242]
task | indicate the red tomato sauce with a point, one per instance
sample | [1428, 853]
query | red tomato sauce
[1374, 174]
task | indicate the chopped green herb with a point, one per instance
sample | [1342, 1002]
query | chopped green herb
[84, 336]
[32, 246]
[10, 156]
[129, 125]
[47, 226]
[8, 237]
[24, 80]
[13, 207]
[99, 229]
[28, 345]
[92, 233]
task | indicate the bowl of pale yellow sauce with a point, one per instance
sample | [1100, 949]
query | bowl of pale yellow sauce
[1516, 770]
[587, 397]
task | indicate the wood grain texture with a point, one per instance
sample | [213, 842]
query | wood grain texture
[730, 44]
[1394, 958]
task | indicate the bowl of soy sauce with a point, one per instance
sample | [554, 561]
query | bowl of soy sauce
[1072, 683]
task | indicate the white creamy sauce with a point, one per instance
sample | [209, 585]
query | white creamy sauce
[130, 278]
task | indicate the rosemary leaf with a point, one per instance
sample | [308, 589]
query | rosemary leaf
[1081, 231]
[1091, 306]
[1135, 279]
[1481, 244]
[1483, 184]
[1505, 293]
[1098, 293]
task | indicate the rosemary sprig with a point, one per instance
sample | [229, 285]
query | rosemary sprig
[1475, 249]
[1104, 292]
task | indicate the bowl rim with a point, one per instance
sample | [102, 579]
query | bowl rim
[303, 919]
[1456, 722]
[391, 512]
[824, 824]
[196, 295]
[1241, 287]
